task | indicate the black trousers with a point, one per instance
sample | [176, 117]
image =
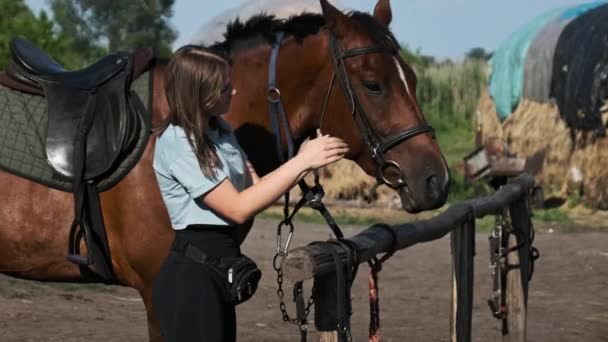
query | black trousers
[188, 297]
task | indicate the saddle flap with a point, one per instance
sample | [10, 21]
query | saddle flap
[106, 134]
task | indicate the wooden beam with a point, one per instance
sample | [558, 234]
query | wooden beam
[309, 261]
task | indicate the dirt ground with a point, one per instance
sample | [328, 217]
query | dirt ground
[568, 296]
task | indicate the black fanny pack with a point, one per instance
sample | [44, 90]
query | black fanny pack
[240, 275]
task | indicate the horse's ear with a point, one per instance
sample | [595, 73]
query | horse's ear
[383, 12]
[336, 20]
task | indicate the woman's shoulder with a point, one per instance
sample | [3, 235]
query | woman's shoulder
[171, 144]
[171, 137]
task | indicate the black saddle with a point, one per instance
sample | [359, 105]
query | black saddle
[94, 122]
[87, 108]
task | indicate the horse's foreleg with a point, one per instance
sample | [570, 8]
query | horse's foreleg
[153, 325]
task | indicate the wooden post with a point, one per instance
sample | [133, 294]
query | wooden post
[517, 275]
[516, 314]
[326, 311]
[463, 251]
[328, 336]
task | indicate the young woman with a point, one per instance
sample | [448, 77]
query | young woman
[211, 190]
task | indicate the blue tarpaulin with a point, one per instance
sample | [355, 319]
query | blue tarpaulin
[575, 11]
[506, 79]
[539, 59]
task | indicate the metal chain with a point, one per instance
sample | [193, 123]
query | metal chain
[534, 252]
[529, 239]
[497, 265]
[283, 307]
[498, 260]
[283, 250]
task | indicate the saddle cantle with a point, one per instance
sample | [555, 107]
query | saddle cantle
[37, 66]
[87, 107]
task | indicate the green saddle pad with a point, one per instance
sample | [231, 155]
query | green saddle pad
[23, 124]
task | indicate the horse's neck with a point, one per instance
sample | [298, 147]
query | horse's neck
[160, 107]
[303, 74]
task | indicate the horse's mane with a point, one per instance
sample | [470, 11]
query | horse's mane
[262, 28]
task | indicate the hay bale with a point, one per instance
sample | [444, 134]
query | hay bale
[487, 118]
[345, 181]
[535, 126]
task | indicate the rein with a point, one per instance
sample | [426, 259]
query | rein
[312, 196]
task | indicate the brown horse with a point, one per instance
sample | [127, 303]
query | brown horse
[35, 220]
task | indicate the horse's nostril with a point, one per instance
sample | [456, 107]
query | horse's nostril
[432, 184]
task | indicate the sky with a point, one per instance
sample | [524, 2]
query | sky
[440, 28]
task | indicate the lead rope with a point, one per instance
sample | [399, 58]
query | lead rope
[375, 265]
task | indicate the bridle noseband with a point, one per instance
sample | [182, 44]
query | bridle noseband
[378, 145]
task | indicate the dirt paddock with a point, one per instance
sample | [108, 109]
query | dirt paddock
[568, 296]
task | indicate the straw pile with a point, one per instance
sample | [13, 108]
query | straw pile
[576, 163]
[344, 181]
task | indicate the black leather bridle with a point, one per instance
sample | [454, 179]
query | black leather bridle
[378, 145]
[313, 195]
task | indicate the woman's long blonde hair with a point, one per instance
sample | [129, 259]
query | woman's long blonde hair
[195, 77]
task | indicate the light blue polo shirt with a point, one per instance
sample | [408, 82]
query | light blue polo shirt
[181, 180]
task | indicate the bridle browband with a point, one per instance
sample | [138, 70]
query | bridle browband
[378, 145]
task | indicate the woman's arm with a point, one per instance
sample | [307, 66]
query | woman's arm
[238, 207]
[252, 174]
[255, 178]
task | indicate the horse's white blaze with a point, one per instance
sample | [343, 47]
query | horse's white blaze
[402, 75]
[446, 175]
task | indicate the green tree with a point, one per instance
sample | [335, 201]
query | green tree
[73, 27]
[120, 25]
[478, 53]
[416, 59]
[17, 20]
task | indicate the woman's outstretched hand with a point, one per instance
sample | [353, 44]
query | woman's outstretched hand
[321, 151]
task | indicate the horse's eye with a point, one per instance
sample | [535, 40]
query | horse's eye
[372, 87]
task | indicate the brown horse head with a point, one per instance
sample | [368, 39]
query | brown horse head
[384, 89]
[344, 74]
